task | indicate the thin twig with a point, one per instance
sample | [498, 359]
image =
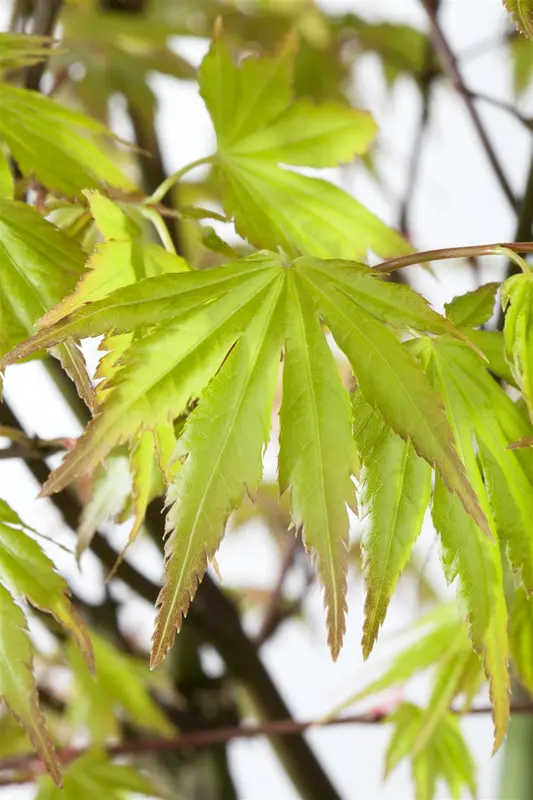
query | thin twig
[442, 254]
[272, 611]
[194, 740]
[451, 69]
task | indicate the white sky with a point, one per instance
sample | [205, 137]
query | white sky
[458, 202]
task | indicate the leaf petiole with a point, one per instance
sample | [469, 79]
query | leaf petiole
[169, 182]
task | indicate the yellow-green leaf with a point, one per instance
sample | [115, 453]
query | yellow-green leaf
[394, 492]
[17, 683]
[56, 144]
[222, 459]
[317, 451]
[522, 14]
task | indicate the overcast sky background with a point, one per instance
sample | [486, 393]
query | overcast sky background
[458, 202]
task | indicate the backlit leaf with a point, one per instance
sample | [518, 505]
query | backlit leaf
[38, 266]
[258, 129]
[445, 756]
[473, 308]
[414, 408]
[17, 684]
[317, 451]
[394, 493]
[56, 144]
[221, 462]
[121, 687]
[467, 553]
[28, 572]
[517, 300]
[7, 185]
[91, 776]
[522, 14]
[521, 637]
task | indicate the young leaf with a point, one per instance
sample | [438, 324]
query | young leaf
[257, 129]
[446, 687]
[27, 571]
[162, 371]
[223, 444]
[91, 776]
[38, 266]
[473, 308]
[466, 552]
[521, 637]
[121, 260]
[21, 49]
[395, 487]
[148, 302]
[317, 450]
[17, 684]
[522, 14]
[55, 143]
[517, 300]
[413, 409]
[445, 755]
[111, 485]
[122, 683]
[443, 630]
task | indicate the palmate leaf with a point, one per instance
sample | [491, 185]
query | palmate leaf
[466, 552]
[258, 128]
[27, 572]
[17, 683]
[473, 308]
[91, 776]
[38, 266]
[20, 50]
[394, 492]
[317, 451]
[522, 14]
[445, 756]
[221, 461]
[56, 144]
[521, 637]
[122, 688]
[441, 630]
[517, 300]
[199, 334]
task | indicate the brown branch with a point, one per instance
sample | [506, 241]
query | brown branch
[272, 611]
[451, 69]
[442, 254]
[194, 740]
[44, 22]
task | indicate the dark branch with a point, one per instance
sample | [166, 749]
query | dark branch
[451, 69]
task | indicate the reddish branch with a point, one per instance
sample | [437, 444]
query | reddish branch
[29, 767]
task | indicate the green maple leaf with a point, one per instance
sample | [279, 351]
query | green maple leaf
[38, 266]
[92, 775]
[517, 300]
[445, 755]
[17, 683]
[26, 572]
[259, 127]
[21, 50]
[56, 144]
[522, 14]
[217, 335]
[466, 552]
[395, 486]
[123, 681]
[521, 637]
[473, 308]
